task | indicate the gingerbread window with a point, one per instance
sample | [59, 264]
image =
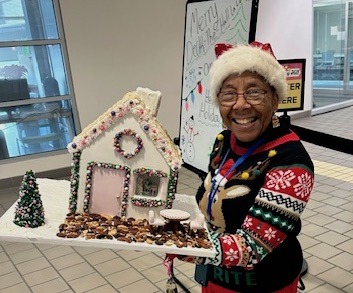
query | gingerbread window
[150, 187]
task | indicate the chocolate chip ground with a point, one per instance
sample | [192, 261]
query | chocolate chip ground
[95, 226]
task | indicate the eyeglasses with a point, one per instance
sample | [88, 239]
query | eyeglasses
[252, 96]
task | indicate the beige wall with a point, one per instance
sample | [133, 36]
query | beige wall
[116, 46]
[288, 26]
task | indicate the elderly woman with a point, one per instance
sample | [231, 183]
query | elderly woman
[259, 181]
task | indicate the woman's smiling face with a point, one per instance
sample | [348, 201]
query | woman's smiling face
[248, 121]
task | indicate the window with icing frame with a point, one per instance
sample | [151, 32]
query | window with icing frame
[150, 187]
[37, 107]
[147, 185]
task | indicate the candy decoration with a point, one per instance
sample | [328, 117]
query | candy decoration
[133, 134]
[146, 202]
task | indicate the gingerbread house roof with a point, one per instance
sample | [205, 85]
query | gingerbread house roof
[133, 103]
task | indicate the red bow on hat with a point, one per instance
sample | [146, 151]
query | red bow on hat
[220, 48]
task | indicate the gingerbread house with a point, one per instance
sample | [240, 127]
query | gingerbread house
[125, 163]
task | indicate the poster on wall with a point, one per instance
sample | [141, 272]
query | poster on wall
[206, 24]
[295, 71]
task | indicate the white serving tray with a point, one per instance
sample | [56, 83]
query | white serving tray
[55, 198]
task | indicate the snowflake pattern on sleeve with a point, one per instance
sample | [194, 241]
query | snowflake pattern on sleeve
[279, 204]
[283, 187]
[304, 185]
[280, 179]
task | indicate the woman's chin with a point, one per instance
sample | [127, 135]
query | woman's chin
[245, 132]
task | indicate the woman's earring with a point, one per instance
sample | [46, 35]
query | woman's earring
[224, 126]
[275, 121]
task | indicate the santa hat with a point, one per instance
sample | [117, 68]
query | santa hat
[255, 57]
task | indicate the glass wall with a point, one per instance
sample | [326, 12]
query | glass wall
[36, 103]
[333, 52]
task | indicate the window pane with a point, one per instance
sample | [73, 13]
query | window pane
[36, 112]
[27, 20]
[332, 71]
[36, 128]
[41, 67]
[328, 41]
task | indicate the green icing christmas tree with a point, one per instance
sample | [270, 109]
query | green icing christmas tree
[29, 211]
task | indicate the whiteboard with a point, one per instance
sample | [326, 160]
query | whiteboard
[206, 24]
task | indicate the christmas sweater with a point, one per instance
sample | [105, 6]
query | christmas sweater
[254, 217]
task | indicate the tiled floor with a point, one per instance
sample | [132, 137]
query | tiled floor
[326, 237]
[335, 123]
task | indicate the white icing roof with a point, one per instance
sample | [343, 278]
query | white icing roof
[134, 103]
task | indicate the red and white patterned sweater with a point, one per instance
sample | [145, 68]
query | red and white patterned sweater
[255, 217]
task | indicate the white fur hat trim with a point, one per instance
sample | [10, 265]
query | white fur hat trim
[247, 58]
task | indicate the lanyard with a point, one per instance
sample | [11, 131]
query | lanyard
[240, 160]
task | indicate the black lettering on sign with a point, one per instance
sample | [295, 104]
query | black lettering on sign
[290, 100]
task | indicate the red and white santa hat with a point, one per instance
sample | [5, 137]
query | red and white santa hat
[255, 57]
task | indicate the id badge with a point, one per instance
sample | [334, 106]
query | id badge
[201, 274]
